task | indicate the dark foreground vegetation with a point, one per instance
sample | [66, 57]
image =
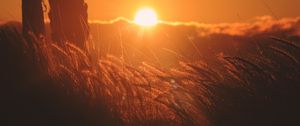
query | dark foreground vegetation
[46, 84]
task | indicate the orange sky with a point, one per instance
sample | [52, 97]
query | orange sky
[207, 11]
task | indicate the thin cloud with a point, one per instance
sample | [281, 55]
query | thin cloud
[256, 26]
[119, 19]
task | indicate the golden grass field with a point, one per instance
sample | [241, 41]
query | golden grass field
[61, 84]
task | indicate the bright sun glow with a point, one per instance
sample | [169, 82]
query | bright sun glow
[146, 17]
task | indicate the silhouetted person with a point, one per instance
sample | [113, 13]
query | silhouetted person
[32, 17]
[69, 21]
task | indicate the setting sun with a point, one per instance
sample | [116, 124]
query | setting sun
[146, 17]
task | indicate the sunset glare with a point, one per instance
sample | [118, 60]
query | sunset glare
[150, 62]
[146, 17]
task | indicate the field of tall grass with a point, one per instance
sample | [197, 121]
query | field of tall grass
[43, 83]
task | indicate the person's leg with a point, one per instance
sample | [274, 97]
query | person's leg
[77, 21]
[32, 17]
[69, 21]
[56, 17]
